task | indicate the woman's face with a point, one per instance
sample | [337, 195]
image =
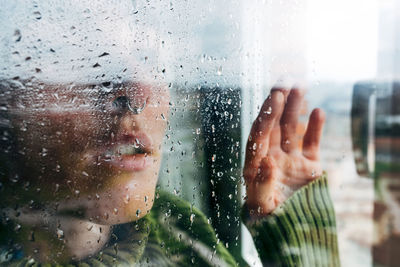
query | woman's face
[83, 151]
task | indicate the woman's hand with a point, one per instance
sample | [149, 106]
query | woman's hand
[278, 160]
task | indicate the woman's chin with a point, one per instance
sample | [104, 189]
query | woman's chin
[126, 213]
[124, 200]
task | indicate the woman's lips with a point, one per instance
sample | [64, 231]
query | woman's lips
[129, 152]
[136, 162]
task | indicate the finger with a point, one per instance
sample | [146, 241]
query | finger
[275, 136]
[289, 120]
[312, 137]
[285, 91]
[258, 143]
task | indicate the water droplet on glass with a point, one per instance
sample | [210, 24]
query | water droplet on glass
[127, 199]
[17, 35]
[220, 174]
[138, 213]
[44, 152]
[104, 54]
[60, 234]
[269, 110]
[17, 227]
[134, 7]
[219, 71]
[254, 146]
[192, 218]
[37, 15]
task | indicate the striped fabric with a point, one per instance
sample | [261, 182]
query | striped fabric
[299, 233]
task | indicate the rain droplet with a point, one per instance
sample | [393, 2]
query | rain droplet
[17, 35]
[37, 14]
[219, 71]
[220, 174]
[17, 227]
[313, 173]
[127, 199]
[192, 218]
[104, 54]
[44, 152]
[135, 9]
[254, 146]
[269, 110]
[138, 213]
[60, 234]
[213, 158]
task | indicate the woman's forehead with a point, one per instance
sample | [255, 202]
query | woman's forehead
[79, 41]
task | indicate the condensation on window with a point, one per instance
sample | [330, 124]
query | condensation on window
[205, 133]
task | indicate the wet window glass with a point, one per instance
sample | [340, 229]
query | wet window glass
[199, 133]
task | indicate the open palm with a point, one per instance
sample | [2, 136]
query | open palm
[278, 160]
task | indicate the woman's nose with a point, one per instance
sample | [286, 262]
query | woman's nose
[123, 103]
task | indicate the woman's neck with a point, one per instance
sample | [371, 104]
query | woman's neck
[48, 237]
